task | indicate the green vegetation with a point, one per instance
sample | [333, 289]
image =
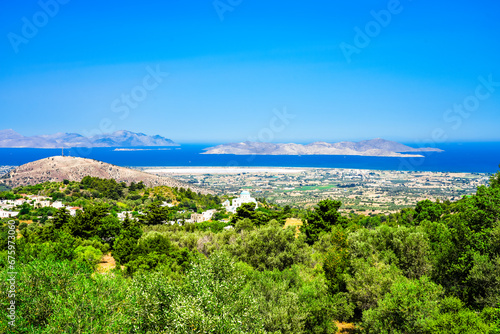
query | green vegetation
[433, 268]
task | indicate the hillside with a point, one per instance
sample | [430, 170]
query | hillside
[59, 168]
[375, 147]
[10, 138]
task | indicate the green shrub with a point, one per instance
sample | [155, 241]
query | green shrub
[211, 300]
[88, 254]
[409, 307]
[454, 318]
[270, 247]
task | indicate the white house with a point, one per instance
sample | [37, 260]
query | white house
[41, 203]
[202, 217]
[237, 202]
[196, 218]
[19, 201]
[73, 210]
[207, 215]
[5, 204]
[122, 215]
[8, 214]
[57, 205]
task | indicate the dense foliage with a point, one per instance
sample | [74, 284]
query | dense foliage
[434, 268]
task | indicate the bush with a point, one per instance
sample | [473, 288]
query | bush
[290, 303]
[408, 308]
[369, 282]
[154, 250]
[211, 300]
[270, 247]
[455, 318]
[88, 254]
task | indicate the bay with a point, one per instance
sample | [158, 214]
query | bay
[472, 157]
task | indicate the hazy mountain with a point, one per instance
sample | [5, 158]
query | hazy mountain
[10, 138]
[58, 168]
[375, 147]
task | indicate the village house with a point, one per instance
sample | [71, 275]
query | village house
[57, 205]
[237, 202]
[202, 217]
[7, 214]
[122, 215]
[197, 218]
[73, 210]
[6, 204]
[19, 201]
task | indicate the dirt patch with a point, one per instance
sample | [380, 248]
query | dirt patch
[294, 222]
[346, 328]
[107, 263]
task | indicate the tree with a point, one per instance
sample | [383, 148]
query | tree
[85, 224]
[495, 180]
[336, 261]
[471, 227]
[126, 242]
[61, 218]
[155, 250]
[109, 229]
[321, 220]
[156, 214]
[270, 247]
[428, 210]
[246, 210]
[409, 307]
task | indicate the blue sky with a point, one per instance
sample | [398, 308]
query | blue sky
[419, 73]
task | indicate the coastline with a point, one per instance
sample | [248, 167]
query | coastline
[221, 170]
[195, 170]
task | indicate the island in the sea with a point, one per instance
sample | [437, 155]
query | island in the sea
[140, 149]
[375, 147]
[11, 139]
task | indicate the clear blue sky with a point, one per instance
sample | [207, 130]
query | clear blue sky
[230, 67]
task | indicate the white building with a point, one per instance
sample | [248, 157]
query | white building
[202, 217]
[41, 203]
[5, 204]
[57, 205]
[207, 215]
[237, 202]
[8, 214]
[122, 215]
[19, 201]
[73, 210]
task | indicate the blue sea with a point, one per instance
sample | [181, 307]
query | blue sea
[457, 157]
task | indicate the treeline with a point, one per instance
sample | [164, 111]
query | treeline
[434, 268]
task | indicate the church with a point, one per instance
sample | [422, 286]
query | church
[237, 202]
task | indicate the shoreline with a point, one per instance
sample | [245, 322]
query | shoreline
[180, 170]
[221, 169]
[183, 170]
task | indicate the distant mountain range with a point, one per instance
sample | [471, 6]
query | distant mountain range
[10, 138]
[374, 147]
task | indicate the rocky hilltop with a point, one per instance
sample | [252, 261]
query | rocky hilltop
[122, 138]
[374, 147]
[59, 168]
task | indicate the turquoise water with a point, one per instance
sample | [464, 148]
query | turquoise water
[458, 157]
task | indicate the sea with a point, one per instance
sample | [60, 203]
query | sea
[471, 157]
